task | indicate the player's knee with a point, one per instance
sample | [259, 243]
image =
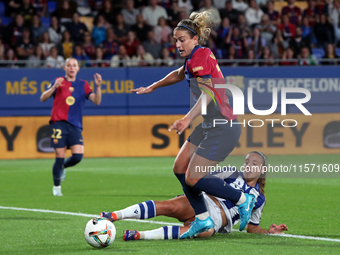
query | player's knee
[77, 158]
[178, 168]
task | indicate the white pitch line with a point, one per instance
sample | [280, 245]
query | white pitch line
[157, 222]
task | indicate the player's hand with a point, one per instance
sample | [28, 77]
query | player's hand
[277, 229]
[143, 90]
[98, 79]
[58, 82]
[180, 125]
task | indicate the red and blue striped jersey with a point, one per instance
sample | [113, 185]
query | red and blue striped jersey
[69, 100]
[200, 65]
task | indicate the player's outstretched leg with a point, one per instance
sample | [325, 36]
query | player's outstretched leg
[245, 209]
[198, 226]
[163, 233]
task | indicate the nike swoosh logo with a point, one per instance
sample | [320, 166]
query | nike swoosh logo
[201, 147]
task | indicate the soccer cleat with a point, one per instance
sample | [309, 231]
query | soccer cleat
[198, 226]
[57, 191]
[63, 175]
[111, 216]
[245, 210]
[130, 235]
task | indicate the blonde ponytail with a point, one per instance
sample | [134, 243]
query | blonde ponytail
[198, 24]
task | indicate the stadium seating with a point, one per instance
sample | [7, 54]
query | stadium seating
[318, 52]
[2, 9]
[6, 21]
[45, 21]
[51, 6]
[88, 21]
[278, 5]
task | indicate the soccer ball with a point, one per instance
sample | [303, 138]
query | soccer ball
[100, 232]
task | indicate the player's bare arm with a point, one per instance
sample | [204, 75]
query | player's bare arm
[172, 78]
[96, 97]
[273, 229]
[48, 93]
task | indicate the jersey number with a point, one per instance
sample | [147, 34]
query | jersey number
[56, 133]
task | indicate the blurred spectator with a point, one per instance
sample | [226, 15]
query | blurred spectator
[121, 29]
[337, 33]
[65, 10]
[141, 28]
[37, 28]
[307, 31]
[307, 59]
[231, 56]
[153, 12]
[54, 60]
[80, 55]
[40, 7]
[12, 59]
[297, 42]
[229, 12]
[14, 30]
[108, 12]
[222, 32]
[250, 59]
[13, 7]
[220, 4]
[274, 16]
[288, 58]
[256, 42]
[171, 46]
[253, 14]
[26, 10]
[121, 59]
[293, 12]
[83, 7]
[46, 44]
[56, 30]
[287, 28]
[185, 5]
[267, 30]
[25, 46]
[88, 45]
[37, 59]
[96, 6]
[110, 45]
[242, 25]
[214, 15]
[130, 13]
[151, 46]
[165, 59]
[140, 4]
[76, 29]
[67, 45]
[162, 31]
[2, 29]
[142, 58]
[131, 44]
[174, 13]
[238, 41]
[310, 12]
[99, 59]
[3, 49]
[99, 29]
[334, 11]
[330, 53]
[324, 31]
[267, 56]
[240, 5]
[278, 45]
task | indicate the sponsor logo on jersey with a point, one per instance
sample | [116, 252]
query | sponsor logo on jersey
[197, 68]
[70, 100]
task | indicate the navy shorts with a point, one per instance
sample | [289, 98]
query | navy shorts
[215, 143]
[64, 134]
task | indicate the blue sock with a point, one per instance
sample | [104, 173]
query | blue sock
[171, 232]
[147, 209]
[57, 168]
[193, 195]
[73, 160]
[215, 186]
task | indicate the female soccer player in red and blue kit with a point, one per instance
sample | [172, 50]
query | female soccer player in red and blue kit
[207, 145]
[66, 121]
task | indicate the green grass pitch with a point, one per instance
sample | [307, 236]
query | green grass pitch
[309, 207]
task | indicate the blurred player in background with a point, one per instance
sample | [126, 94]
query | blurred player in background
[207, 145]
[66, 122]
[223, 212]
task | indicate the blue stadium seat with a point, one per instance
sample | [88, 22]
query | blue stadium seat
[51, 6]
[45, 21]
[6, 21]
[318, 52]
[337, 51]
[2, 9]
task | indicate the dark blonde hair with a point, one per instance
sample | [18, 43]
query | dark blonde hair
[197, 24]
[262, 179]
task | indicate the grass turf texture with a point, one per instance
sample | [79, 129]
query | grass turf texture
[308, 207]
